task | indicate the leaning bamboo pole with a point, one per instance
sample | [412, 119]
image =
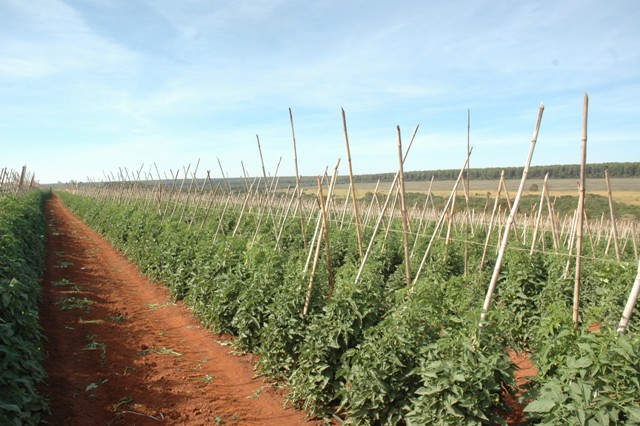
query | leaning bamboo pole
[353, 186]
[373, 199]
[491, 221]
[298, 188]
[382, 211]
[186, 202]
[613, 214]
[583, 173]
[510, 221]
[441, 220]
[422, 216]
[325, 232]
[266, 188]
[631, 303]
[315, 240]
[403, 209]
[539, 216]
[175, 205]
[319, 240]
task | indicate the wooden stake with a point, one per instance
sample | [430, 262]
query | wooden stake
[631, 303]
[318, 243]
[539, 216]
[510, 219]
[403, 209]
[353, 186]
[614, 230]
[441, 220]
[491, 221]
[298, 188]
[266, 187]
[382, 211]
[583, 173]
[325, 229]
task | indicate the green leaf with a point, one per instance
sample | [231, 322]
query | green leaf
[634, 413]
[540, 406]
[583, 362]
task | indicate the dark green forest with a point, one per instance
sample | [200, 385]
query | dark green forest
[558, 171]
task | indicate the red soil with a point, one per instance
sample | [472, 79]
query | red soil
[525, 370]
[133, 357]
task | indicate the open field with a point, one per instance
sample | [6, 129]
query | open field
[624, 190]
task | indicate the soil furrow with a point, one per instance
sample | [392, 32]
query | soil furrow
[120, 352]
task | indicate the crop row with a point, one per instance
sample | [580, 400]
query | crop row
[380, 352]
[22, 252]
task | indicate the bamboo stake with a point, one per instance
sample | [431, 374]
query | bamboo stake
[186, 201]
[314, 240]
[220, 221]
[539, 216]
[224, 178]
[631, 303]
[382, 211]
[491, 221]
[266, 186]
[633, 240]
[353, 186]
[373, 199]
[175, 205]
[211, 200]
[318, 243]
[422, 216]
[514, 225]
[286, 215]
[298, 188]
[613, 214]
[403, 210]
[450, 218]
[200, 198]
[441, 220]
[392, 214]
[325, 229]
[507, 227]
[552, 218]
[244, 205]
[344, 207]
[583, 173]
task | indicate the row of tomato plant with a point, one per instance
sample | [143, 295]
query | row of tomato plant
[22, 254]
[379, 352]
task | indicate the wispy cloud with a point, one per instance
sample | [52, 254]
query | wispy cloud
[179, 80]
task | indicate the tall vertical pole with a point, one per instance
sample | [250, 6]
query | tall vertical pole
[583, 172]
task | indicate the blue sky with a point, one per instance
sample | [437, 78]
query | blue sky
[88, 86]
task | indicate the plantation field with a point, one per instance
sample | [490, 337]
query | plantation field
[349, 335]
[372, 317]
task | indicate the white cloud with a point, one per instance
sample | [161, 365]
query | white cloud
[48, 38]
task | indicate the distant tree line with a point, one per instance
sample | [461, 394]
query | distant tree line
[558, 171]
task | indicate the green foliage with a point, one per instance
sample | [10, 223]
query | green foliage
[379, 352]
[463, 380]
[597, 383]
[522, 279]
[22, 230]
[286, 328]
[315, 384]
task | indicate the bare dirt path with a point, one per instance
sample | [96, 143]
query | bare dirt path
[122, 353]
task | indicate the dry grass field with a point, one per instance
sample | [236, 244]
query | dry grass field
[624, 190]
